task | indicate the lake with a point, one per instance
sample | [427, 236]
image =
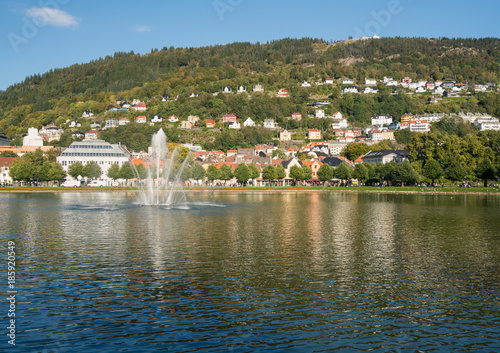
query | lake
[250, 272]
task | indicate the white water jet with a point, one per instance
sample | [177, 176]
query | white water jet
[163, 184]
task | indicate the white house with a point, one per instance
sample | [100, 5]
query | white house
[95, 125]
[249, 122]
[305, 84]
[111, 123]
[140, 119]
[329, 81]
[420, 89]
[391, 83]
[347, 81]
[173, 119]
[226, 90]
[258, 88]
[269, 124]
[234, 125]
[370, 82]
[156, 119]
[350, 89]
[320, 113]
[381, 120]
[141, 106]
[32, 139]
[241, 89]
[192, 95]
[368, 90]
[123, 121]
[87, 114]
[91, 135]
[337, 115]
[339, 124]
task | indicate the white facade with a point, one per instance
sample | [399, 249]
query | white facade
[320, 113]
[32, 139]
[420, 126]
[370, 82]
[339, 124]
[381, 120]
[336, 147]
[156, 119]
[368, 90]
[233, 125]
[269, 124]
[350, 89]
[347, 81]
[305, 84]
[99, 151]
[249, 122]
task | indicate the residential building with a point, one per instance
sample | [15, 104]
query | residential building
[329, 81]
[186, 125]
[87, 114]
[269, 124]
[234, 125]
[141, 106]
[296, 116]
[95, 125]
[140, 119]
[337, 115]
[350, 89]
[258, 88]
[249, 122]
[339, 124]
[405, 119]
[111, 123]
[380, 135]
[320, 113]
[314, 165]
[5, 163]
[241, 89]
[193, 119]
[156, 119]
[370, 82]
[78, 134]
[226, 90]
[430, 86]
[173, 119]
[391, 83]
[347, 81]
[229, 118]
[123, 121]
[305, 84]
[336, 147]
[369, 90]
[4, 140]
[193, 95]
[282, 93]
[50, 133]
[210, 123]
[406, 80]
[91, 135]
[381, 120]
[419, 126]
[385, 156]
[285, 135]
[314, 134]
[99, 151]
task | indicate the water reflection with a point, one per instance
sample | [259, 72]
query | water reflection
[295, 271]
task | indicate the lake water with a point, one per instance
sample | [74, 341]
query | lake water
[250, 272]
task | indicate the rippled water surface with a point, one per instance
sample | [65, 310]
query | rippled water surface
[313, 272]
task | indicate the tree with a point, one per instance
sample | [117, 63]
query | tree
[307, 172]
[455, 171]
[269, 173]
[254, 171]
[360, 172]
[92, 170]
[8, 154]
[126, 172]
[280, 172]
[296, 172]
[405, 173]
[22, 169]
[325, 173]
[355, 149]
[343, 171]
[142, 171]
[75, 169]
[279, 153]
[242, 173]
[226, 173]
[213, 173]
[432, 169]
[114, 171]
[486, 171]
[197, 172]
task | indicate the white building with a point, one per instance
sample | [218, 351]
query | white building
[369, 90]
[249, 122]
[99, 151]
[350, 89]
[320, 113]
[420, 126]
[339, 124]
[156, 119]
[234, 125]
[269, 124]
[347, 81]
[241, 89]
[381, 120]
[370, 82]
[336, 147]
[32, 139]
[305, 84]
[337, 115]
[111, 123]
[87, 114]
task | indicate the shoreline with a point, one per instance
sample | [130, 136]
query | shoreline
[270, 190]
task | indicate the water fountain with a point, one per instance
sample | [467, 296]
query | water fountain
[163, 185]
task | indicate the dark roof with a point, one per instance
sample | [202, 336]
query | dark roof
[333, 161]
[381, 153]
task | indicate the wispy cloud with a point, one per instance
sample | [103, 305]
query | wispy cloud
[52, 17]
[142, 29]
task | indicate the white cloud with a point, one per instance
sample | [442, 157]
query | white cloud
[142, 29]
[52, 17]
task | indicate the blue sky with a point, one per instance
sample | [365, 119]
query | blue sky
[36, 36]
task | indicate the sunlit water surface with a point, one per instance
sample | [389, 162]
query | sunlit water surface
[249, 272]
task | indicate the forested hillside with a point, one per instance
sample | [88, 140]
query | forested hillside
[64, 94]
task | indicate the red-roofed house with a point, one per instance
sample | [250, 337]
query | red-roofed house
[140, 119]
[141, 106]
[229, 118]
[123, 121]
[210, 123]
[314, 134]
[91, 135]
[314, 165]
[173, 119]
[5, 163]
